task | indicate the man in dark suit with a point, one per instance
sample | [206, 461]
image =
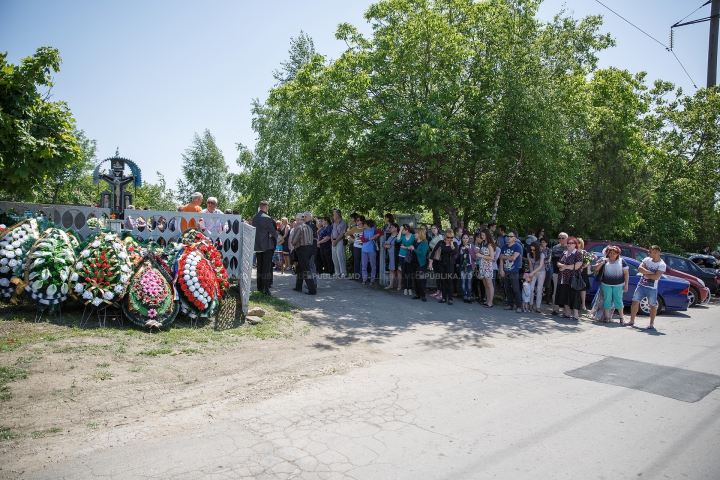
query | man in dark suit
[265, 240]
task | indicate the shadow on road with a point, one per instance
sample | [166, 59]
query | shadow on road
[355, 313]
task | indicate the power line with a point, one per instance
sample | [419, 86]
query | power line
[683, 67]
[655, 39]
[628, 21]
[706, 3]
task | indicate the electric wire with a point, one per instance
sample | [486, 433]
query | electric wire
[683, 67]
[656, 40]
[686, 16]
[628, 21]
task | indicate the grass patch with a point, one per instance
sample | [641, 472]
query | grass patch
[156, 351]
[42, 433]
[18, 330]
[7, 434]
[27, 360]
[103, 365]
[94, 426]
[9, 374]
[103, 375]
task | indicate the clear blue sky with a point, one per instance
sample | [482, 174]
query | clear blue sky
[146, 75]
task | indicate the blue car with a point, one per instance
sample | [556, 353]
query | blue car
[672, 291]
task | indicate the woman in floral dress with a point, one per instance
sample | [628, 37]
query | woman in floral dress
[486, 253]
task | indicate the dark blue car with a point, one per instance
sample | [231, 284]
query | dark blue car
[672, 291]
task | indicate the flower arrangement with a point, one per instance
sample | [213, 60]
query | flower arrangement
[151, 298]
[589, 258]
[15, 243]
[197, 281]
[102, 271]
[135, 251]
[49, 264]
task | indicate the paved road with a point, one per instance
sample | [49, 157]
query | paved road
[468, 393]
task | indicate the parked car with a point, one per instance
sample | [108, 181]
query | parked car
[626, 249]
[699, 292]
[685, 265]
[672, 291]
[706, 262]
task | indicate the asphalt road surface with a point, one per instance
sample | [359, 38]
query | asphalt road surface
[468, 392]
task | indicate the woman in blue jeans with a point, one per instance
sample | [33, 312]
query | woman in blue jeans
[614, 283]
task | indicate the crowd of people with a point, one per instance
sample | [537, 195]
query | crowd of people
[452, 264]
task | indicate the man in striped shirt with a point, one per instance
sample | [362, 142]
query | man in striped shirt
[302, 240]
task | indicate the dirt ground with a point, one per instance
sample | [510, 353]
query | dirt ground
[66, 391]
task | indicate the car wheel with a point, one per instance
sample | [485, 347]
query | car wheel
[645, 306]
[693, 296]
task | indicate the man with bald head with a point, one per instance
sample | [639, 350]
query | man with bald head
[192, 207]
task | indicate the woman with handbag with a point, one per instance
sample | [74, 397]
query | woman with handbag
[569, 280]
[419, 263]
[584, 272]
[404, 240]
[442, 261]
[436, 237]
[614, 276]
[392, 256]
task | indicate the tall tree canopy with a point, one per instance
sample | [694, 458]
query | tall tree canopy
[37, 138]
[204, 170]
[275, 170]
[452, 104]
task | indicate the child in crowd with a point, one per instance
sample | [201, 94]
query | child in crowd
[526, 294]
[278, 255]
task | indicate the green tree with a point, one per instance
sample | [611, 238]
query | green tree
[37, 140]
[275, 171]
[204, 170]
[74, 185]
[451, 105]
[155, 196]
[612, 153]
[680, 197]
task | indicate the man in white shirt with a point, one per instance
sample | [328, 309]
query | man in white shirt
[652, 268]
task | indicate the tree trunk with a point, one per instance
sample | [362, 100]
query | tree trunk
[453, 215]
[495, 205]
[436, 217]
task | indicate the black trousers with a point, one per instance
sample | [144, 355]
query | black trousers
[304, 254]
[446, 278]
[357, 263]
[512, 290]
[264, 270]
[418, 274]
[327, 261]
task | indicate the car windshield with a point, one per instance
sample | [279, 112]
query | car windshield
[640, 255]
[694, 268]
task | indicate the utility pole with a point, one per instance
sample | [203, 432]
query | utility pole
[714, 19]
[713, 44]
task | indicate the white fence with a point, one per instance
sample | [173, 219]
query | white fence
[233, 238]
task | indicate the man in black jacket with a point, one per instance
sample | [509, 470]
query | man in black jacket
[265, 241]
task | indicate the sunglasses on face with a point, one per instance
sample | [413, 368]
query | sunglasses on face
[571, 243]
[511, 236]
